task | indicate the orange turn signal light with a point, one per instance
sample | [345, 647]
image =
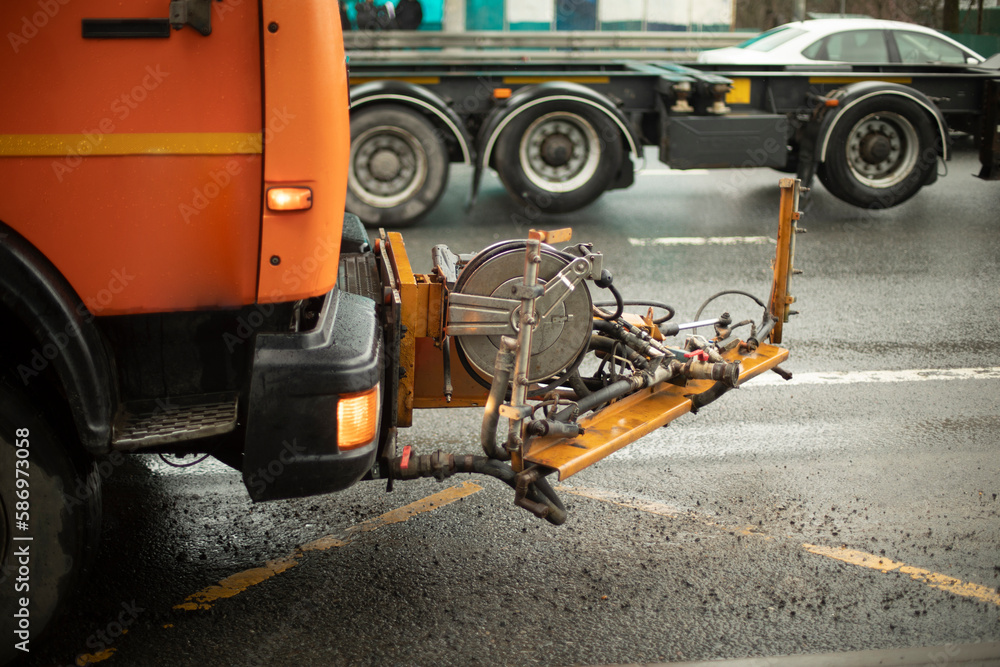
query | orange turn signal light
[502, 93]
[289, 199]
[357, 418]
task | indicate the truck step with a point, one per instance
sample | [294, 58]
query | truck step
[146, 424]
[358, 274]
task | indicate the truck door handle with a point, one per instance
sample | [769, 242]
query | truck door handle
[195, 13]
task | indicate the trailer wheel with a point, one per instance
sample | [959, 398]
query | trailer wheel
[398, 166]
[881, 152]
[59, 501]
[559, 156]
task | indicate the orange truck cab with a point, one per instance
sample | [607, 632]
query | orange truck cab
[172, 186]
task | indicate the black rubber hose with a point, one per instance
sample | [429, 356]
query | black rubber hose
[609, 329]
[578, 386]
[539, 492]
[441, 466]
[611, 346]
[652, 304]
[606, 283]
[599, 397]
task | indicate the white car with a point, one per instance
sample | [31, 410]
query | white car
[844, 41]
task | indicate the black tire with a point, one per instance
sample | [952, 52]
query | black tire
[559, 156]
[64, 518]
[880, 153]
[398, 168]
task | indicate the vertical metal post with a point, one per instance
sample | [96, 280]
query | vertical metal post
[784, 255]
[454, 16]
[522, 363]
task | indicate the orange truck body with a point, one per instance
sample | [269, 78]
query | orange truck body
[138, 167]
[143, 259]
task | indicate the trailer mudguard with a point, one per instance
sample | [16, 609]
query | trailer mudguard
[421, 99]
[529, 96]
[65, 336]
[855, 93]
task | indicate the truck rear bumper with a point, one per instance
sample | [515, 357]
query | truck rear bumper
[291, 415]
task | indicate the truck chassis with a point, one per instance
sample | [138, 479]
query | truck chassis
[560, 134]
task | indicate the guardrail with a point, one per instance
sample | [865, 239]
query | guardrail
[559, 45]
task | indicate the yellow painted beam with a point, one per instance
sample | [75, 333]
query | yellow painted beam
[852, 79]
[633, 417]
[545, 79]
[410, 315]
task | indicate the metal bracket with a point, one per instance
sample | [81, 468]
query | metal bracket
[516, 413]
[195, 13]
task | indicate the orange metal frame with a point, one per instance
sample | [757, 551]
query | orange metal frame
[629, 419]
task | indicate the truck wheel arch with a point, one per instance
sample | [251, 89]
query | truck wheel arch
[66, 340]
[422, 100]
[854, 94]
[530, 96]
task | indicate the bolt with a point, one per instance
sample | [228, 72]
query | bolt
[272, 27]
[275, 260]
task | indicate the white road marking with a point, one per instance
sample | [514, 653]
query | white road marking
[861, 377]
[701, 240]
[671, 172]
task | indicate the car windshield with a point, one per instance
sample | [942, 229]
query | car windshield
[770, 39]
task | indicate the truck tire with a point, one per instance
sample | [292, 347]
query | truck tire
[559, 156]
[398, 166]
[63, 517]
[880, 153]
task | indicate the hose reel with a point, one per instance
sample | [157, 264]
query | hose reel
[486, 303]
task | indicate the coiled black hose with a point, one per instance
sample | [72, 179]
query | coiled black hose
[651, 304]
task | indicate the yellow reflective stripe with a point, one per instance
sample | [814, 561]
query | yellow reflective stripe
[422, 80]
[155, 143]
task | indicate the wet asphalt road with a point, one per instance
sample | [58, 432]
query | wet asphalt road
[719, 536]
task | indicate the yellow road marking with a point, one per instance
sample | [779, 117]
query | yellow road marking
[94, 658]
[153, 143]
[653, 507]
[860, 558]
[241, 581]
[933, 579]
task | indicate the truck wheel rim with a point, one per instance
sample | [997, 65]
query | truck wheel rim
[882, 149]
[560, 152]
[388, 166]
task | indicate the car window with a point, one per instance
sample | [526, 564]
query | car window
[770, 39]
[852, 46]
[915, 47]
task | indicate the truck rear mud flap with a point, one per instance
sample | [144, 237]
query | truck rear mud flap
[574, 380]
